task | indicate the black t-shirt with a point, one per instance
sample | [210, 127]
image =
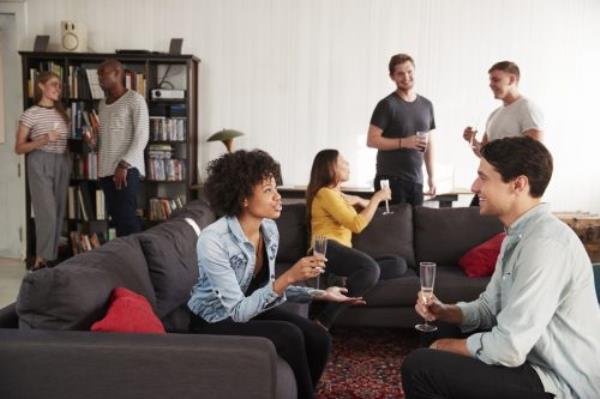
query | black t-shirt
[399, 118]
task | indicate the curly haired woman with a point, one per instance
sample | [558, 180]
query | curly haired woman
[237, 292]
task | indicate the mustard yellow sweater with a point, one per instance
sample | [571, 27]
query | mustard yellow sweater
[332, 217]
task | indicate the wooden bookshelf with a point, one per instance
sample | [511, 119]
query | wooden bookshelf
[146, 72]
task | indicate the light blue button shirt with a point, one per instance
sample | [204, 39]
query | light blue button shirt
[226, 259]
[540, 306]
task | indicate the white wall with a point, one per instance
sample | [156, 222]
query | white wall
[299, 76]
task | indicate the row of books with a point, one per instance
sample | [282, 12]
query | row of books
[83, 242]
[85, 166]
[165, 169]
[80, 205]
[135, 81]
[163, 128]
[161, 208]
[81, 119]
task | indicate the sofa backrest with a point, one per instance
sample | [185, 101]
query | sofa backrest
[293, 233]
[390, 234]
[76, 293]
[443, 235]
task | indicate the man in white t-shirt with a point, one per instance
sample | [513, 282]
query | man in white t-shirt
[517, 116]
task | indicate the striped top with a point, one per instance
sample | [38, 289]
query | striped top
[42, 120]
[123, 133]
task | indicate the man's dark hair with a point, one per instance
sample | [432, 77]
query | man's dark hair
[508, 67]
[521, 156]
[399, 59]
[232, 178]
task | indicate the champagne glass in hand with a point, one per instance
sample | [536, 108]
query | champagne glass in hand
[427, 276]
[385, 185]
[319, 250]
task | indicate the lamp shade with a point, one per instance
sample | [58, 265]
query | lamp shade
[225, 136]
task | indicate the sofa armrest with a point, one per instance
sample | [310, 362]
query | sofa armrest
[8, 317]
[77, 364]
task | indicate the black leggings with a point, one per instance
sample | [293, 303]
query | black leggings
[303, 344]
[363, 273]
[435, 374]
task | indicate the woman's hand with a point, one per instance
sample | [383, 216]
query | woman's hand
[382, 195]
[307, 268]
[52, 136]
[336, 294]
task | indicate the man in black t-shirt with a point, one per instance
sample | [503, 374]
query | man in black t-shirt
[396, 130]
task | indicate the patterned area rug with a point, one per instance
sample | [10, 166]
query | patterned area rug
[365, 363]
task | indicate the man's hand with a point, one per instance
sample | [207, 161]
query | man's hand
[120, 177]
[458, 346]
[430, 310]
[414, 142]
[432, 187]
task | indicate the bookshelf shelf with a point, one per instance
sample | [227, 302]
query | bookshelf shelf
[80, 95]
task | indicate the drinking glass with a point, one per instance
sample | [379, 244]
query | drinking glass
[427, 276]
[385, 185]
[473, 138]
[319, 250]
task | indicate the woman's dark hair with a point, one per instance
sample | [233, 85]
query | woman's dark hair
[521, 156]
[232, 178]
[42, 78]
[322, 174]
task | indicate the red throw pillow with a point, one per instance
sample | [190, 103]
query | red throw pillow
[481, 260]
[129, 312]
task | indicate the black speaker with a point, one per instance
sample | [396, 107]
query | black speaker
[175, 46]
[41, 43]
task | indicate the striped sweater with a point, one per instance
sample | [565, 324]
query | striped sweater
[123, 133]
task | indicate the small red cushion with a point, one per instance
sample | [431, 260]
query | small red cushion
[481, 260]
[129, 312]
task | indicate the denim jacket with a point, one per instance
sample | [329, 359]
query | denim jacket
[226, 259]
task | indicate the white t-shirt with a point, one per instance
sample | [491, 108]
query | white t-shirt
[514, 119]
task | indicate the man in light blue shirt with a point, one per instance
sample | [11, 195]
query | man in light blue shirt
[537, 324]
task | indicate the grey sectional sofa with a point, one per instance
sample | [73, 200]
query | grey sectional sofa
[47, 350]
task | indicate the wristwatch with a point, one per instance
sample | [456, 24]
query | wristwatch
[124, 165]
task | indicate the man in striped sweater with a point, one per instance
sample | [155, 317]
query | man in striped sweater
[123, 135]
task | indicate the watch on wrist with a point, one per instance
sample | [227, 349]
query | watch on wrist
[124, 165]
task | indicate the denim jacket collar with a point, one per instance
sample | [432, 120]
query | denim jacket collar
[269, 234]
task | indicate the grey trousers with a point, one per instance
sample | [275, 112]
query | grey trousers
[48, 177]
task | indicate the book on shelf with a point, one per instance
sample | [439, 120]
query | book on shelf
[167, 129]
[161, 208]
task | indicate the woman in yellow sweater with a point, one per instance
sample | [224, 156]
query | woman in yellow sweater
[334, 215]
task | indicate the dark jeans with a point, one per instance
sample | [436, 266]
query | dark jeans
[363, 273]
[435, 374]
[122, 204]
[402, 191]
[303, 344]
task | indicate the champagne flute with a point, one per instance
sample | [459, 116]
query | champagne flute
[427, 276]
[319, 250]
[473, 137]
[385, 185]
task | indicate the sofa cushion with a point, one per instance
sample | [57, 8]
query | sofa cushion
[443, 235]
[481, 260]
[74, 294]
[129, 312]
[170, 250]
[389, 234]
[293, 233]
[396, 292]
